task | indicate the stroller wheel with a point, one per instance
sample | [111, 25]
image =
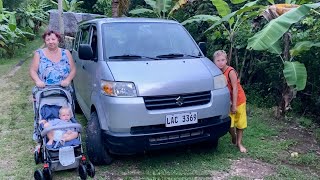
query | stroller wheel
[36, 157]
[38, 175]
[82, 171]
[90, 169]
[47, 173]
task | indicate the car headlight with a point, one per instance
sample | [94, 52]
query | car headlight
[219, 81]
[119, 89]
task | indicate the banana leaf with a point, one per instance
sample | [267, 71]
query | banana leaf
[200, 18]
[271, 1]
[303, 46]
[141, 11]
[151, 3]
[222, 7]
[163, 5]
[295, 74]
[1, 6]
[277, 27]
[237, 1]
[228, 18]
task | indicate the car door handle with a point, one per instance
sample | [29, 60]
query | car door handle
[83, 67]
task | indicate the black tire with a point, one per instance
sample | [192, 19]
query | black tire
[38, 175]
[82, 170]
[36, 157]
[96, 151]
[47, 173]
[90, 169]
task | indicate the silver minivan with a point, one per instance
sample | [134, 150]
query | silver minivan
[145, 84]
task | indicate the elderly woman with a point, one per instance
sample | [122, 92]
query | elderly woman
[52, 65]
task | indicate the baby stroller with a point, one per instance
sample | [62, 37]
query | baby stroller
[58, 156]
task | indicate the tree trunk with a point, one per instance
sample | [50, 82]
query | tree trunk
[115, 8]
[287, 92]
[61, 23]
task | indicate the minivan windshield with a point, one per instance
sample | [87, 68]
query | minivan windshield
[132, 40]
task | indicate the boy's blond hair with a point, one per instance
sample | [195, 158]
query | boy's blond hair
[220, 53]
[66, 108]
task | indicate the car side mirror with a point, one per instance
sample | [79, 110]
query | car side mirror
[85, 52]
[203, 48]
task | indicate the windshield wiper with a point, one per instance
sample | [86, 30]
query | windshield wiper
[174, 55]
[131, 56]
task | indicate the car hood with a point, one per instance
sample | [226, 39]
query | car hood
[164, 77]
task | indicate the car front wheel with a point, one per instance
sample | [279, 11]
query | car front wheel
[96, 151]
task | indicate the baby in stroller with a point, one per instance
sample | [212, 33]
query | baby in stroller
[58, 134]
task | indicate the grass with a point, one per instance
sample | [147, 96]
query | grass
[261, 138]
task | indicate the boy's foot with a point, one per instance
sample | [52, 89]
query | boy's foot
[242, 148]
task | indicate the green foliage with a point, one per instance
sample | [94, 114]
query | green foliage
[32, 14]
[71, 6]
[159, 8]
[266, 38]
[295, 74]
[103, 7]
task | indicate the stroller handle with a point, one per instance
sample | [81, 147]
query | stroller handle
[64, 126]
[52, 87]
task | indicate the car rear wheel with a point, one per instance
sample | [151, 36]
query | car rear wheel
[96, 151]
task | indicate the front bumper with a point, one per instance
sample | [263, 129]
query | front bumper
[147, 138]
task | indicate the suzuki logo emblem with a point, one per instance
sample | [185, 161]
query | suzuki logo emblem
[180, 100]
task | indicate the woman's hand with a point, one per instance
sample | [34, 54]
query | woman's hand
[40, 84]
[65, 83]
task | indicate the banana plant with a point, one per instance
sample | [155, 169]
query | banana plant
[229, 21]
[71, 6]
[160, 8]
[269, 37]
[32, 14]
[273, 32]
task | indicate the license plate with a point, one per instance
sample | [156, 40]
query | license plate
[181, 119]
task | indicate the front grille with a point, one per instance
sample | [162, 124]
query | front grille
[176, 101]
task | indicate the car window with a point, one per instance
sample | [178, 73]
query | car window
[147, 39]
[76, 41]
[94, 41]
[85, 35]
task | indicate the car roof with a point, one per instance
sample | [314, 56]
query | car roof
[126, 19]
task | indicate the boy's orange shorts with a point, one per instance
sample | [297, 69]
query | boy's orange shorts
[239, 119]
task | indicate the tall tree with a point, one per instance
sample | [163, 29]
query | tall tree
[120, 7]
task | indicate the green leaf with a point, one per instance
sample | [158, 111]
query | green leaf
[31, 23]
[271, 1]
[1, 6]
[225, 18]
[163, 5]
[276, 48]
[237, 1]
[200, 18]
[12, 19]
[277, 27]
[12, 27]
[222, 7]
[141, 11]
[151, 3]
[295, 74]
[303, 46]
